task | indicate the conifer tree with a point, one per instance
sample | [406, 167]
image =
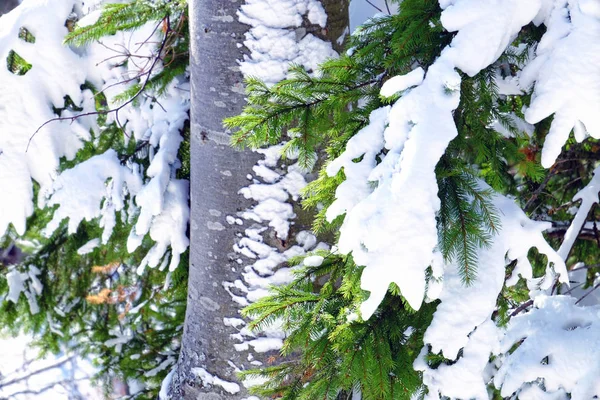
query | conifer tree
[77, 290]
[361, 108]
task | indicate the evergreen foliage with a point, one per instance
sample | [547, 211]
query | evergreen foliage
[314, 110]
[118, 17]
[89, 301]
[130, 16]
[322, 111]
[331, 352]
[17, 64]
[327, 354]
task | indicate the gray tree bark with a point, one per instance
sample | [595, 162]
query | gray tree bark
[217, 173]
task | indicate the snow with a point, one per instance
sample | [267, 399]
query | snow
[261, 345]
[588, 196]
[161, 202]
[235, 322]
[566, 72]
[164, 386]
[273, 193]
[313, 261]
[463, 379]
[209, 379]
[272, 190]
[402, 82]
[276, 39]
[568, 335]
[463, 318]
[15, 285]
[117, 341]
[27, 103]
[484, 29]
[169, 228]
[316, 13]
[508, 86]
[27, 283]
[162, 366]
[379, 230]
[98, 188]
[367, 143]
[88, 247]
[80, 193]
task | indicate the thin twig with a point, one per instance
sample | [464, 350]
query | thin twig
[36, 372]
[139, 76]
[562, 207]
[588, 293]
[157, 102]
[149, 37]
[522, 307]
[387, 6]
[45, 388]
[115, 110]
[374, 6]
[584, 234]
[122, 55]
[540, 188]
[573, 288]
[585, 267]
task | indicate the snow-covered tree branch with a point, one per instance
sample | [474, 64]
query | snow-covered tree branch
[407, 210]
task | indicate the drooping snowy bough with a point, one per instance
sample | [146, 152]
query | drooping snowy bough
[566, 73]
[410, 183]
[103, 185]
[92, 122]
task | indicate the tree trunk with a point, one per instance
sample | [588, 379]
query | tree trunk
[338, 22]
[217, 173]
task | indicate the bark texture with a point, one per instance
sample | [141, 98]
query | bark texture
[217, 173]
[338, 22]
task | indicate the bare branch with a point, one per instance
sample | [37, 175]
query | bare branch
[374, 6]
[36, 372]
[588, 293]
[522, 307]
[387, 6]
[44, 389]
[117, 109]
[586, 267]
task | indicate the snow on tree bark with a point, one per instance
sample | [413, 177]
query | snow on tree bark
[217, 172]
[209, 358]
